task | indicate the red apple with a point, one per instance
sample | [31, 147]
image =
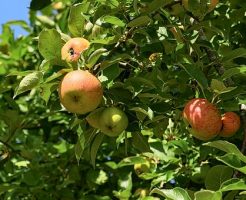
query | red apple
[73, 48]
[231, 124]
[80, 92]
[203, 117]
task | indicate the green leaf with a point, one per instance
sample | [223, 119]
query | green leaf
[50, 44]
[140, 21]
[109, 74]
[228, 148]
[21, 23]
[233, 161]
[57, 74]
[148, 112]
[207, 194]
[6, 188]
[113, 20]
[31, 177]
[155, 5]
[46, 91]
[76, 20]
[80, 145]
[95, 146]
[172, 194]
[195, 72]
[19, 73]
[131, 161]
[233, 71]
[28, 82]
[236, 53]
[114, 60]
[233, 184]
[45, 20]
[219, 87]
[38, 5]
[106, 41]
[140, 142]
[93, 58]
[216, 176]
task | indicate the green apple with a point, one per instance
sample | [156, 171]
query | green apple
[140, 168]
[113, 121]
[94, 117]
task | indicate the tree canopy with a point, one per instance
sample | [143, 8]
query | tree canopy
[151, 57]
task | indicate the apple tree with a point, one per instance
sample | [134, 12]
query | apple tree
[92, 101]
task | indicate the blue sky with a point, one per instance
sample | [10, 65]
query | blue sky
[14, 10]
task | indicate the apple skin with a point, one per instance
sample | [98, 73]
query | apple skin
[231, 124]
[94, 117]
[140, 168]
[113, 121]
[80, 92]
[203, 117]
[73, 48]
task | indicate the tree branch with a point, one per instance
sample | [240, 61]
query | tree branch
[243, 119]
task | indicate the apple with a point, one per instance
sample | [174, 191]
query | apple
[94, 117]
[80, 92]
[231, 124]
[113, 121]
[203, 117]
[141, 193]
[141, 168]
[73, 48]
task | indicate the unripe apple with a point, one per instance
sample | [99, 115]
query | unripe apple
[203, 117]
[140, 168]
[94, 117]
[113, 121]
[80, 92]
[230, 124]
[73, 48]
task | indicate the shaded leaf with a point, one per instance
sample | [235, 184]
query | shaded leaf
[140, 21]
[195, 72]
[216, 176]
[236, 53]
[140, 142]
[38, 5]
[95, 146]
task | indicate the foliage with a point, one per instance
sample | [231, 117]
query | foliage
[151, 56]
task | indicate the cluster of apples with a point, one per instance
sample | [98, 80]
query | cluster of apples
[206, 121]
[80, 92]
